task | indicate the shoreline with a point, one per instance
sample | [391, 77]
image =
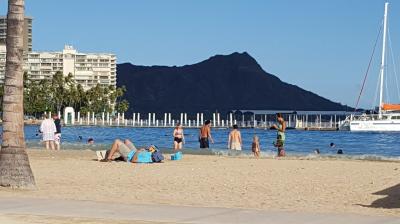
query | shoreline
[318, 186]
[249, 154]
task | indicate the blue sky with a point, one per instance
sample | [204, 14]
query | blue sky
[320, 45]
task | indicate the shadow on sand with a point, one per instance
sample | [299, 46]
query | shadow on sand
[392, 199]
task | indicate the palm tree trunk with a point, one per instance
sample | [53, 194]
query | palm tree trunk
[15, 170]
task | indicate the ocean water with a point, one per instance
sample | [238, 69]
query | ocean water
[358, 145]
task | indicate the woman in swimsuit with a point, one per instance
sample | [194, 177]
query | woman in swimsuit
[179, 138]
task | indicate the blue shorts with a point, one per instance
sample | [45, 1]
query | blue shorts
[142, 156]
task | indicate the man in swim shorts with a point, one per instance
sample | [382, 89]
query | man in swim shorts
[280, 137]
[205, 135]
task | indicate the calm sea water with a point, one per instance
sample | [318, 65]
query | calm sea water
[298, 143]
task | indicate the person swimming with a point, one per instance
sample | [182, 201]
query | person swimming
[90, 141]
[339, 151]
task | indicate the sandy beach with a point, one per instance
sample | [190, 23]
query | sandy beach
[317, 185]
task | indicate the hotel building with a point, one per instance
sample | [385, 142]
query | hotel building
[87, 69]
[27, 32]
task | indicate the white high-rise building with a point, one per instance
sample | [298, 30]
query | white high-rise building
[87, 69]
[26, 32]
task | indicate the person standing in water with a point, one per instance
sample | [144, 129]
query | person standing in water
[57, 135]
[235, 139]
[280, 137]
[255, 146]
[48, 129]
[205, 135]
[179, 138]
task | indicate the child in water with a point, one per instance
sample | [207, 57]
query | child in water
[255, 146]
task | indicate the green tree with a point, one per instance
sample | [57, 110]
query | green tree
[97, 99]
[116, 95]
[80, 97]
[122, 106]
[58, 90]
[62, 91]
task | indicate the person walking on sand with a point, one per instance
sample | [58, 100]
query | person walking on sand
[255, 146]
[205, 135]
[179, 138]
[48, 130]
[235, 139]
[57, 135]
[280, 137]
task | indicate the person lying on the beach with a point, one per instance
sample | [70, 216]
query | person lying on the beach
[129, 153]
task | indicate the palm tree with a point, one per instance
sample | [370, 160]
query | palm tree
[15, 170]
[81, 96]
[58, 90]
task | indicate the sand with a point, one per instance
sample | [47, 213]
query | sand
[41, 219]
[317, 185]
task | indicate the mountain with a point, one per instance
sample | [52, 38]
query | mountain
[221, 83]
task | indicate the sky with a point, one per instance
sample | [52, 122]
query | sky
[323, 46]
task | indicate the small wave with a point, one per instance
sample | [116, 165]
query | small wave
[365, 157]
[298, 156]
[232, 153]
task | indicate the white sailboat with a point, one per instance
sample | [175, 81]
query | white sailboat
[388, 117]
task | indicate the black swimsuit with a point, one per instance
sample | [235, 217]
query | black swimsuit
[178, 140]
[178, 132]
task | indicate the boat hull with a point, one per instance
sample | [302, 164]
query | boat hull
[375, 125]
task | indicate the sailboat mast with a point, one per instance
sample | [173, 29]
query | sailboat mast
[382, 71]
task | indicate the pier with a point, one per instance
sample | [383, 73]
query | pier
[260, 119]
